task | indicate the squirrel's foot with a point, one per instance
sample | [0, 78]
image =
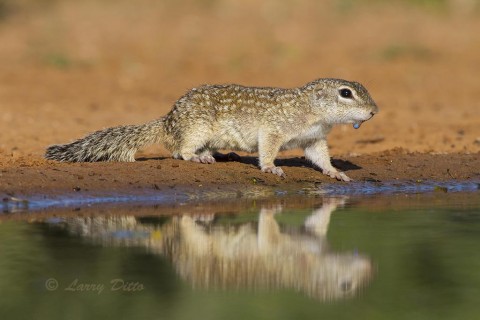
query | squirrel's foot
[275, 170]
[203, 159]
[341, 176]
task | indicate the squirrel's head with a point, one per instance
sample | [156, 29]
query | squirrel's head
[341, 101]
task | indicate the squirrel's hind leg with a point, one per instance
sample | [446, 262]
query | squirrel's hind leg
[194, 149]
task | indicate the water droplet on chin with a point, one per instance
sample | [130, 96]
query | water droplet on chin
[357, 125]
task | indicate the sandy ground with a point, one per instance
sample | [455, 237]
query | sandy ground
[71, 67]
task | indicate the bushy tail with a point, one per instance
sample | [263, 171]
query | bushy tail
[112, 144]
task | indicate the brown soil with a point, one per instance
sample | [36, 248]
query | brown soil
[77, 66]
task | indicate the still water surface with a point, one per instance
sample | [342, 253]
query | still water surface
[380, 257]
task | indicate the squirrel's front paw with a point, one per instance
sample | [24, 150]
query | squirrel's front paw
[338, 175]
[275, 170]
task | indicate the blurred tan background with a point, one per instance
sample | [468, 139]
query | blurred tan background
[69, 67]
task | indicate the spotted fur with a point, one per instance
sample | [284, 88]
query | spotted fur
[253, 119]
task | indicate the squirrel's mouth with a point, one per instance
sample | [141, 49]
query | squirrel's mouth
[357, 124]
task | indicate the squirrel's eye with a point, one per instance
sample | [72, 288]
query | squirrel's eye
[346, 93]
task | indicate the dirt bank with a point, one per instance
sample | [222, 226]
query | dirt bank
[27, 177]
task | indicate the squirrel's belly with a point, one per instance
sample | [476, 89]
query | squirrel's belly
[232, 139]
[295, 144]
[307, 137]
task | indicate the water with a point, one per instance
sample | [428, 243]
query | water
[400, 256]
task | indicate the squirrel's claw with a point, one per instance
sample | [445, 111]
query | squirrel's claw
[275, 170]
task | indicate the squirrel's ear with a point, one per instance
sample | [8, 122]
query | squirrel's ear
[319, 91]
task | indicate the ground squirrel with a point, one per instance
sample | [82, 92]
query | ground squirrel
[235, 117]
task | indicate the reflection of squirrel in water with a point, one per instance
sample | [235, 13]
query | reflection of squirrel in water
[248, 256]
[234, 117]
